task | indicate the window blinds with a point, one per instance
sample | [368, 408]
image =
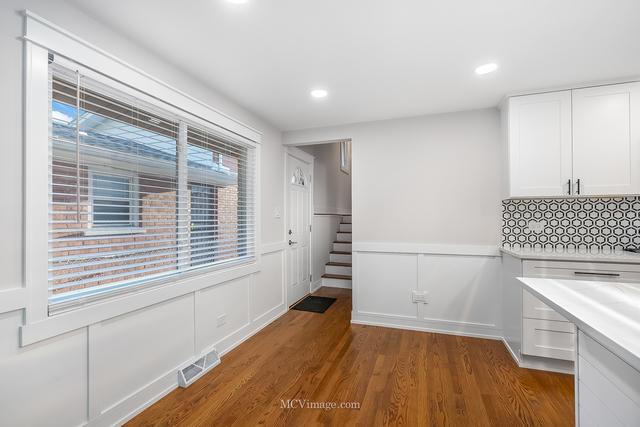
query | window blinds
[137, 193]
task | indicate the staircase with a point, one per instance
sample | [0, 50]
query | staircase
[337, 272]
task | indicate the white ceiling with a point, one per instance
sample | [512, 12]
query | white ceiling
[380, 59]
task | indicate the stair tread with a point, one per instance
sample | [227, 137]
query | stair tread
[340, 253]
[336, 276]
[339, 264]
[344, 232]
[338, 241]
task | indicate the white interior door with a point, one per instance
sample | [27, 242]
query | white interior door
[298, 230]
[606, 139]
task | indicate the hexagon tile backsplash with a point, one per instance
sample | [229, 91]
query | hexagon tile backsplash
[585, 223]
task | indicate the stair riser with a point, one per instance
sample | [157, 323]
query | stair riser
[343, 237]
[346, 219]
[345, 227]
[339, 258]
[336, 283]
[342, 247]
[337, 269]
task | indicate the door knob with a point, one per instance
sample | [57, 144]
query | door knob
[291, 242]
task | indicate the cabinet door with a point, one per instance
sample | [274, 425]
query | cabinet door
[606, 139]
[540, 144]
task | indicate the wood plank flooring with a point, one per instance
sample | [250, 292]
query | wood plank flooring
[396, 377]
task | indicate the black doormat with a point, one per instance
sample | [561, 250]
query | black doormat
[314, 304]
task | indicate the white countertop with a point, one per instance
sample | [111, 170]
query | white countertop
[574, 255]
[609, 312]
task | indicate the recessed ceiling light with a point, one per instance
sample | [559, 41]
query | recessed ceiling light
[487, 68]
[319, 93]
[237, 1]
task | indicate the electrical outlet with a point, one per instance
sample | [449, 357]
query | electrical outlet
[222, 319]
[536, 226]
[420, 297]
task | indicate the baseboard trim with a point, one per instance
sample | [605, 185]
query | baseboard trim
[540, 363]
[449, 328]
[316, 285]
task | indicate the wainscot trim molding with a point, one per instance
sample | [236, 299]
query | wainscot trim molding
[427, 248]
[269, 248]
[440, 327]
[13, 299]
[325, 210]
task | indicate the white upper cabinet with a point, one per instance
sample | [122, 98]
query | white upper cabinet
[606, 139]
[539, 136]
[580, 142]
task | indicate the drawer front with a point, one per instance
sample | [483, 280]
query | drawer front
[533, 308]
[614, 382]
[548, 338]
[582, 271]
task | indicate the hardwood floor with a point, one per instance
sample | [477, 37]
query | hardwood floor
[396, 377]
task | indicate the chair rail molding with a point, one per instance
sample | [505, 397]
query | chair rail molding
[427, 248]
[13, 299]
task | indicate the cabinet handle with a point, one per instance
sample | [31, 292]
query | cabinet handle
[578, 186]
[586, 273]
[569, 187]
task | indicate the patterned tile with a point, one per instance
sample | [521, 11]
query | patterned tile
[584, 223]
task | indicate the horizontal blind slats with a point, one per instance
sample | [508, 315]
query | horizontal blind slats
[117, 213]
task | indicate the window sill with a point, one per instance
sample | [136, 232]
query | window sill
[113, 231]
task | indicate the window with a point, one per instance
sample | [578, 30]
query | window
[138, 193]
[112, 201]
[345, 156]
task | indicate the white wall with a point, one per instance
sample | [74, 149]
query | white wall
[426, 217]
[432, 179]
[331, 186]
[106, 370]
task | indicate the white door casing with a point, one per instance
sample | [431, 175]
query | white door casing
[299, 171]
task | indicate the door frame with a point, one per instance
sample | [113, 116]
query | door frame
[305, 157]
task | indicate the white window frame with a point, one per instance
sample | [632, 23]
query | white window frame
[42, 37]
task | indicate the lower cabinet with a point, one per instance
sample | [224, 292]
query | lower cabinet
[548, 338]
[608, 389]
[532, 328]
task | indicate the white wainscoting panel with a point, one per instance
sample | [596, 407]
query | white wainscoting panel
[129, 353]
[464, 290]
[385, 282]
[105, 373]
[267, 292]
[230, 299]
[44, 384]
